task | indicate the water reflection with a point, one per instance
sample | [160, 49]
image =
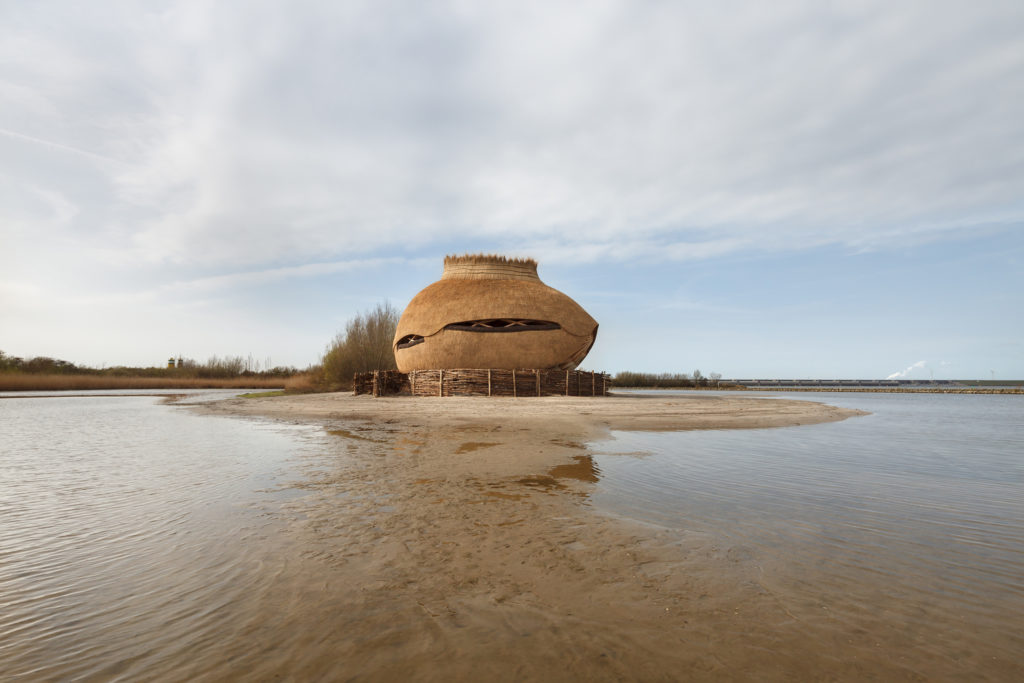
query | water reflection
[916, 511]
[470, 446]
[583, 469]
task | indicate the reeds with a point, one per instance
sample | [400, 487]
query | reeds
[306, 383]
[489, 267]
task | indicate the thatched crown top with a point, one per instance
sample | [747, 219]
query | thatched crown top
[489, 267]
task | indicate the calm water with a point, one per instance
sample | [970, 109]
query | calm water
[917, 508]
[134, 536]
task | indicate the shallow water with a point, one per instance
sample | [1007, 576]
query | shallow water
[125, 528]
[917, 508]
[141, 540]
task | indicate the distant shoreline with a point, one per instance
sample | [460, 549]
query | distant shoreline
[17, 381]
[852, 390]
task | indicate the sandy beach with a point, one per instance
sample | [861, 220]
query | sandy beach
[459, 543]
[583, 416]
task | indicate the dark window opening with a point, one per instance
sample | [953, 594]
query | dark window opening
[503, 325]
[409, 340]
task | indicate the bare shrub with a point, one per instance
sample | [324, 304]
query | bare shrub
[365, 345]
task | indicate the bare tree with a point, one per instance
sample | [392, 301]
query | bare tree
[365, 345]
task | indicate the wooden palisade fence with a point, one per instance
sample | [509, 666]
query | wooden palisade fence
[380, 382]
[470, 382]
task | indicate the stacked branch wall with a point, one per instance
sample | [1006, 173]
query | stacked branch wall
[482, 382]
[380, 383]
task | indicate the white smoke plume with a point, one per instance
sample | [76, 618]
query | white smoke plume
[903, 373]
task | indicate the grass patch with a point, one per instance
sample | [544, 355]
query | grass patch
[262, 394]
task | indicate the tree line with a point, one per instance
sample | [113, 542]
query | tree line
[666, 380]
[216, 367]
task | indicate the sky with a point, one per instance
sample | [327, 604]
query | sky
[784, 189]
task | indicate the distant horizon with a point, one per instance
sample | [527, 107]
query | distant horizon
[263, 367]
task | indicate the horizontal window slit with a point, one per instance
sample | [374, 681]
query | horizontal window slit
[409, 340]
[503, 325]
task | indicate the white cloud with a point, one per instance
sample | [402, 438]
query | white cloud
[258, 133]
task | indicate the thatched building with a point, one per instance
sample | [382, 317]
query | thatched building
[492, 312]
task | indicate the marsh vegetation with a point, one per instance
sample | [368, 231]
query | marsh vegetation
[42, 373]
[363, 346]
[666, 380]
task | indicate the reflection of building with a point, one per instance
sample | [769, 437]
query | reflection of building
[492, 312]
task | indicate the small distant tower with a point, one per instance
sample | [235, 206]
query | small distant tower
[181, 362]
[170, 362]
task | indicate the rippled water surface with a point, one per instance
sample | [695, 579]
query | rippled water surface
[140, 540]
[125, 527]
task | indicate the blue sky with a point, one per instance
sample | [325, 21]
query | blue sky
[761, 190]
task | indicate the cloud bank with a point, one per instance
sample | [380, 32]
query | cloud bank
[236, 134]
[236, 176]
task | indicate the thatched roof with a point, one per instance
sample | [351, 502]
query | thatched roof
[481, 287]
[489, 267]
[489, 259]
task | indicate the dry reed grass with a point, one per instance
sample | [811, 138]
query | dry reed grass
[305, 383]
[16, 381]
[489, 267]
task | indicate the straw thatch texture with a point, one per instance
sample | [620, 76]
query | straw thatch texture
[489, 267]
[488, 287]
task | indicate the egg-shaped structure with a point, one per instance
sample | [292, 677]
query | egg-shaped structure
[492, 312]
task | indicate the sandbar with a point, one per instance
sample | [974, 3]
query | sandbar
[591, 414]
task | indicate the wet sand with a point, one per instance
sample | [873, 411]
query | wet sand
[459, 539]
[456, 542]
[460, 544]
[586, 417]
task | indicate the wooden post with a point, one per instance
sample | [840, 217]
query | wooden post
[440, 383]
[566, 382]
[593, 384]
[536, 373]
[375, 387]
[488, 381]
[514, 383]
[412, 382]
